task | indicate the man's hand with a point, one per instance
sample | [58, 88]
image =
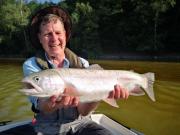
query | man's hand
[65, 101]
[55, 102]
[119, 93]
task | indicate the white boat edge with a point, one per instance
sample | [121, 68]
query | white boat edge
[115, 127]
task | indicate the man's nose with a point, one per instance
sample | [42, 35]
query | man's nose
[54, 37]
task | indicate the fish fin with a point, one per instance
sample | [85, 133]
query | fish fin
[149, 89]
[150, 76]
[111, 102]
[137, 91]
[95, 66]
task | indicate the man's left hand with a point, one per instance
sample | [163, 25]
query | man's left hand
[119, 93]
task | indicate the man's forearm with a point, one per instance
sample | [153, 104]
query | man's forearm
[46, 106]
[85, 108]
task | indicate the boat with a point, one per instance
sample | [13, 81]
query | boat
[115, 127]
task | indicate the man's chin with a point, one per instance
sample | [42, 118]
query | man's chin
[56, 51]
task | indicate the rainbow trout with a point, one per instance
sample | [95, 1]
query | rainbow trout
[89, 85]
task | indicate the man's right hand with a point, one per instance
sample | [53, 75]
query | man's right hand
[55, 102]
[65, 101]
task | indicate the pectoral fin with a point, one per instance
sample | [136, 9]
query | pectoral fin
[111, 102]
[149, 90]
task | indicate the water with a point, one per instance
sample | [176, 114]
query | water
[14, 106]
[152, 118]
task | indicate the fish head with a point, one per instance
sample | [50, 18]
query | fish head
[43, 84]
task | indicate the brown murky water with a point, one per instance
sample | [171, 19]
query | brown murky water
[151, 118]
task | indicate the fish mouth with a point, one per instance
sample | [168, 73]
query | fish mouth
[29, 85]
[31, 89]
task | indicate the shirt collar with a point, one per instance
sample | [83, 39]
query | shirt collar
[66, 62]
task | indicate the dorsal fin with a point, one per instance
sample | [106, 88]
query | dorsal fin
[95, 66]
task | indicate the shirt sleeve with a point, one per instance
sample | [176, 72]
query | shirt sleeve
[84, 62]
[30, 66]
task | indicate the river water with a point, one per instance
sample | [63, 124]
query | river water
[151, 118]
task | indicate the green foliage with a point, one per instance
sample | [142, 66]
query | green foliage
[32, 5]
[13, 16]
[132, 25]
[162, 5]
[99, 27]
[85, 34]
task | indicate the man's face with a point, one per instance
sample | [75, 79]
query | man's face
[52, 36]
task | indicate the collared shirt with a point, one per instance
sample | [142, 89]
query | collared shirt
[30, 66]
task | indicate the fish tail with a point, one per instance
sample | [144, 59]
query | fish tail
[150, 78]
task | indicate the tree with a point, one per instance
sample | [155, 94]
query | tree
[85, 37]
[13, 16]
[151, 13]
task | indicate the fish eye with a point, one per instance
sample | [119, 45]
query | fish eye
[36, 78]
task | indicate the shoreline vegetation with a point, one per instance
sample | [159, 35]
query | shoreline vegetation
[160, 57]
[101, 30]
[143, 56]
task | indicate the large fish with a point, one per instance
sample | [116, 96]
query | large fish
[89, 85]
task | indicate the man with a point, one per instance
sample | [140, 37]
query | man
[50, 30]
